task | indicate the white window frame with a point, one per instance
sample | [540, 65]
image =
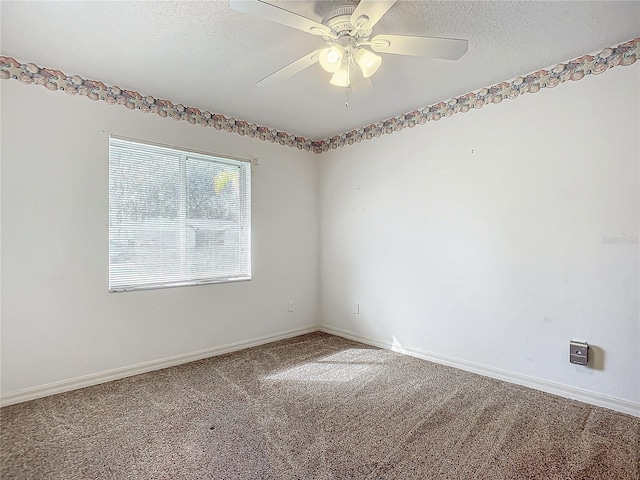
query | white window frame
[244, 170]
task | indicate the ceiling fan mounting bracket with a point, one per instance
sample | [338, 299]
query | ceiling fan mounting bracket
[331, 18]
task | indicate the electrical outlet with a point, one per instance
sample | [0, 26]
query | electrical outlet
[356, 309]
[578, 352]
[290, 306]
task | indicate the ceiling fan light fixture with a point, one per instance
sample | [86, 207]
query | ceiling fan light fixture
[341, 77]
[368, 62]
[346, 29]
[331, 58]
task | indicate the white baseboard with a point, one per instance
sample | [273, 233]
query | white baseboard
[118, 373]
[586, 396]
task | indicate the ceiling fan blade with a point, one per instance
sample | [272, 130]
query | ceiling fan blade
[368, 12]
[447, 48]
[291, 69]
[276, 14]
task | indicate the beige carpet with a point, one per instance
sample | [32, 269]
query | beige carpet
[314, 407]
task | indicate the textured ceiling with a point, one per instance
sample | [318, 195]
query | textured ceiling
[205, 55]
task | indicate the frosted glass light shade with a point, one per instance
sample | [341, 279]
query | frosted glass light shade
[368, 62]
[341, 77]
[331, 58]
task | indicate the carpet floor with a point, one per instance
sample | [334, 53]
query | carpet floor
[314, 407]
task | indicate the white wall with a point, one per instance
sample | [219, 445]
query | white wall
[58, 320]
[480, 237]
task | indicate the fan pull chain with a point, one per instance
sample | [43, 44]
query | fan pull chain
[348, 89]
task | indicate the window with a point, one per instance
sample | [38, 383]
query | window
[176, 217]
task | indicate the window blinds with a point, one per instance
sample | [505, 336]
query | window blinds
[176, 217]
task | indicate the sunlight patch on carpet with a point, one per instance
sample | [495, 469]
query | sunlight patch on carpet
[342, 366]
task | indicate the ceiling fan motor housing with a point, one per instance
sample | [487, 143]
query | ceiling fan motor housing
[339, 21]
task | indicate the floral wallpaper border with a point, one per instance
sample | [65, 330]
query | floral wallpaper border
[624, 54]
[28, 73]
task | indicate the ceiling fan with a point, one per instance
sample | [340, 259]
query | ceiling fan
[347, 31]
